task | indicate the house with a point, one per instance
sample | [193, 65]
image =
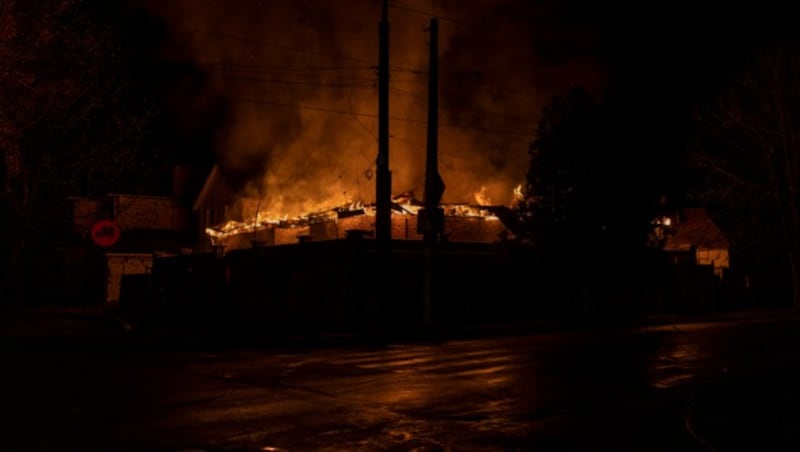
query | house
[133, 229]
[692, 233]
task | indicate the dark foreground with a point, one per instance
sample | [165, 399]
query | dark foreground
[729, 385]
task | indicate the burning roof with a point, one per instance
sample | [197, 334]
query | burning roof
[463, 222]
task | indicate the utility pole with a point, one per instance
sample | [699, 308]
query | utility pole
[383, 186]
[430, 221]
[383, 179]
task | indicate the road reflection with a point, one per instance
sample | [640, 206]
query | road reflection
[618, 389]
[678, 359]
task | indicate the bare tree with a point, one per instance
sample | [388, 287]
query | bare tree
[69, 124]
[750, 151]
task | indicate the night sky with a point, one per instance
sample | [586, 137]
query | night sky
[284, 93]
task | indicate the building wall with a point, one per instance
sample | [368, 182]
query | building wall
[717, 258]
[150, 212]
[131, 212]
[119, 264]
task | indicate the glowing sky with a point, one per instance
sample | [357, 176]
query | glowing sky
[298, 79]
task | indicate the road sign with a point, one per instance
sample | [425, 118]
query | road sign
[105, 233]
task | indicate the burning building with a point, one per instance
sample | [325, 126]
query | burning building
[298, 86]
[238, 222]
[299, 130]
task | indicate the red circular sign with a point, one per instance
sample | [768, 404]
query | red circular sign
[105, 233]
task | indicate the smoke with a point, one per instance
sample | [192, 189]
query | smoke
[301, 80]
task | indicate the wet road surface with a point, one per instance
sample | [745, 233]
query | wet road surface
[674, 387]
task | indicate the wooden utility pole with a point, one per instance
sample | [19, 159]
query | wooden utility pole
[431, 219]
[383, 179]
[378, 299]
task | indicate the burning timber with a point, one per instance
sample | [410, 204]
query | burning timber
[463, 223]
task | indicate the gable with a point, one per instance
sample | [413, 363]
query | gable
[695, 229]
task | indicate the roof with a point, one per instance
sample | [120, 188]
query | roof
[215, 190]
[695, 228]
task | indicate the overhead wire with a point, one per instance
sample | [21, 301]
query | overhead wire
[418, 98]
[284, 47]
[364, 126]
[310, 83]
[458, 21]
[309, 76]
[306, 71]
[352, 86]
[258, 67]
[341, 82]
[369, 115]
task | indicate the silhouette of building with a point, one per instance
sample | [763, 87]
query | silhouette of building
[693, 234]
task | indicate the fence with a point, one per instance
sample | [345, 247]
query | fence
[336, 285]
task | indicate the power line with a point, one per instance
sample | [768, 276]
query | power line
[284, 47]
[347, 82]
[417, 98]
[429, 14]
[269, 44]
[352, 86]
[261, 68]
[316, 71]
[457, 21]
[336, 83]
[323, 81]
[312, 69]
[309, 83]
[372, 115]
[364, 126]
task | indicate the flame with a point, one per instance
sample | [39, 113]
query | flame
[482, 198]
[518, 194]
[403, 204]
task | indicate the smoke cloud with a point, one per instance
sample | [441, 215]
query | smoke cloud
[301, 81]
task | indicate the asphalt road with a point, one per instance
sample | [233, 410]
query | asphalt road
[700, 386]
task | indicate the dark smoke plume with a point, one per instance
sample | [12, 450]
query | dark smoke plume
[301, 80]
